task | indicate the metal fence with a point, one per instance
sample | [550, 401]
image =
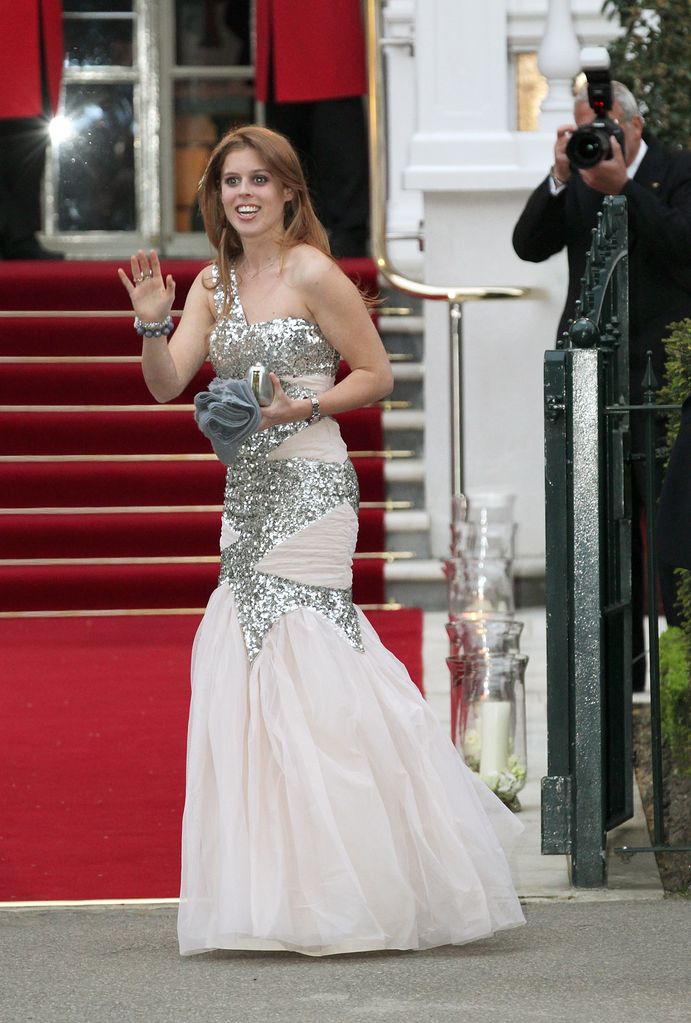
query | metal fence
[588, 460]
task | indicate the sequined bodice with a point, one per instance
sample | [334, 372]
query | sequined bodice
[269, 499]
[289, 345]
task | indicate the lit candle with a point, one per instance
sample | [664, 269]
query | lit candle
[496, 721]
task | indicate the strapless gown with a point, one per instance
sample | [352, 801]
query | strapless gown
[326, 809]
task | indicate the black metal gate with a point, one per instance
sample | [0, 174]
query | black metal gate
[589, 787]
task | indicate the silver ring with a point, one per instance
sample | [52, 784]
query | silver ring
[138, 280]
[149, 273]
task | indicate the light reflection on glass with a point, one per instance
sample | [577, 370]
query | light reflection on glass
[96, 189]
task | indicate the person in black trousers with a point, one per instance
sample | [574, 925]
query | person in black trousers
[562, 212]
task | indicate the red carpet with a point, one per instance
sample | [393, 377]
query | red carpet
[93, 751]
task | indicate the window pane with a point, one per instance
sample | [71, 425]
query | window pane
[98, 6]
[204, 110]
[212, 33]
[95, 162]
[96, 43]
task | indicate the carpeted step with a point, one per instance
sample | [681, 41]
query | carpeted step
[94, 587]
[89, 383]
[161, 429]
[136, 534]
[86, 285]
[85, 384]
[119, 482]
[68, 336]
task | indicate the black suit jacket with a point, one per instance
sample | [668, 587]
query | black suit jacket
[659, 214]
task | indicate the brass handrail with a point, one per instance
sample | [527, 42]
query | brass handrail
[453, 294]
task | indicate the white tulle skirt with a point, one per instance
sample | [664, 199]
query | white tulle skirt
[327, 810]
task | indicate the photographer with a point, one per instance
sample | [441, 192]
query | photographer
[562, 211]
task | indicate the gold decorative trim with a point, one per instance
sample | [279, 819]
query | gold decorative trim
[50, 360]
[137, 612]
[85, 903]
[387, 454]
[182, 509]
[385, 405]
[144, 612]
[76, 314]
[192, 559]
[118, 509]
[110, 458]
[97, 359]
[205, 559]
[96, 408]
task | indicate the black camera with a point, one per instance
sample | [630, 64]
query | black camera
[591, 142]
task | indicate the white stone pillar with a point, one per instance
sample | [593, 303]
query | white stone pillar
[404, 205]
[559, 61]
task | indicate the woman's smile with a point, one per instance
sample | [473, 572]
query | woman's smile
[250, 193]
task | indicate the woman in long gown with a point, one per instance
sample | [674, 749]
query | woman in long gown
[326, 810]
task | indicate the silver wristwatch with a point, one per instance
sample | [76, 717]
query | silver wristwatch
[316, 414]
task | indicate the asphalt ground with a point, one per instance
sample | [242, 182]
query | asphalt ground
[614, 961]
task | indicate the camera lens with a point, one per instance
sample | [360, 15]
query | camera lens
[587, 146]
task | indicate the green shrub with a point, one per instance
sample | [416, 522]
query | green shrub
[675, 697]
[675, 390]
[675, 643]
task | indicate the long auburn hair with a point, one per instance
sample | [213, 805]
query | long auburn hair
[299, 219]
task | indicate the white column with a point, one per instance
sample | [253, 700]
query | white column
[404, 206]
[559, 61]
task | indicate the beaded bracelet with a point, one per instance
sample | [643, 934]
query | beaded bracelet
[155, 329]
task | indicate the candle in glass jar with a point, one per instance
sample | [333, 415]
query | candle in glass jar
[496, 722]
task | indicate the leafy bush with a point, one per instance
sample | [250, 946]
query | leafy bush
[675, 697]
[653, 58]
[675, 644]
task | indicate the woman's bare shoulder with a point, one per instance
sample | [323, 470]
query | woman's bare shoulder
[306, 265]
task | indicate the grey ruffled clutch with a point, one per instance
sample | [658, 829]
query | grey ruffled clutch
[227, 414]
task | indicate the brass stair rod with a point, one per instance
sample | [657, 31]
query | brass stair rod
[452, 294]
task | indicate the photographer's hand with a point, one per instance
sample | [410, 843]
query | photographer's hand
[561, 168]
[608, 176]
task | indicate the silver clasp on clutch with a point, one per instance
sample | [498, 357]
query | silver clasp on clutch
[259, 380]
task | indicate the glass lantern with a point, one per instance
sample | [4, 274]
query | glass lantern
[483, 539]
[488, 719]
[474, 633]
[483, 585]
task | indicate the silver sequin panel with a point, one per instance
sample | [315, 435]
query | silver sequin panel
[290, 346]
[266, 501]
